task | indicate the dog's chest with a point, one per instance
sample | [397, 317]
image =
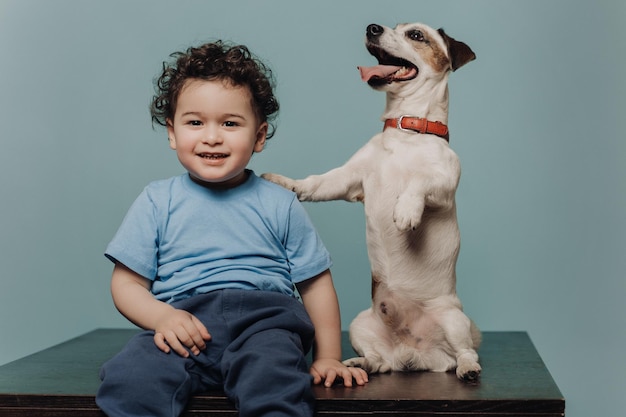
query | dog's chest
[401, 159]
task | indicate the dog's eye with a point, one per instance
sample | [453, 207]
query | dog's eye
[416, 35]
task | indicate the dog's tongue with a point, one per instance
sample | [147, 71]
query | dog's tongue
[380, 71]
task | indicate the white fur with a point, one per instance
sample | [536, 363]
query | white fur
[407, 182]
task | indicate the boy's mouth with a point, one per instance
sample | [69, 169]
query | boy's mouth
[212, 156]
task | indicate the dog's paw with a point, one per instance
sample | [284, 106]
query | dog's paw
[407, 214]
[468, 372]
[357, 362]
[281, 180]
[369, 366]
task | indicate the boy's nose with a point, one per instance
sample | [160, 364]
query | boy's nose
[212, 136]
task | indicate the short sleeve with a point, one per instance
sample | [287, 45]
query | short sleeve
[136, 242]
[306, 252]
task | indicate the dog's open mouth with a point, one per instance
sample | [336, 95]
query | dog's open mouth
[388, 70]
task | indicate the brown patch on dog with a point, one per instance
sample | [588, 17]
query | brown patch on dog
[388, 314]
[375, 283]
[383, 308]
[437, 58]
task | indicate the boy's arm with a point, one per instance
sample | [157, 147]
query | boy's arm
[320, 300]
[173, 329]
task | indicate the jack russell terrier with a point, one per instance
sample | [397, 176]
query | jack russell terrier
[406, 177]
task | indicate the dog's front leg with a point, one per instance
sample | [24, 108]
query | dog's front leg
[281, 180]
[410, 205]
[407, 213]
[337, 184]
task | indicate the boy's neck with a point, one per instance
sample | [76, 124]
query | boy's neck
[224, 185]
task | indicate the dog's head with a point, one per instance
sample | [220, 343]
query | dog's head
[411, 51]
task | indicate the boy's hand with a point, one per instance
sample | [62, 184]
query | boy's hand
[179, 330]
[328, 370]
[174, 329]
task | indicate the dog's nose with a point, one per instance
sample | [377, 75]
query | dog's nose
[374, 30]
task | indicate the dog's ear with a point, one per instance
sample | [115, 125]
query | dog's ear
[459, 53]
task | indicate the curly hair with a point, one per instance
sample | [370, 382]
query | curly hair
[215, 61]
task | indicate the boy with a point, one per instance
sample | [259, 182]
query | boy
[207, 261]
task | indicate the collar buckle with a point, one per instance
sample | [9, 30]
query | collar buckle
[399, 124]
[421, 125]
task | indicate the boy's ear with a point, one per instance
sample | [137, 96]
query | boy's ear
[170, 134]
[261, 137]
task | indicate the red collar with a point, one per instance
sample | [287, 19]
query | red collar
[419, 125]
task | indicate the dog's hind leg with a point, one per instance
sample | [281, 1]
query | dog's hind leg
[464, 338]
[370, 342]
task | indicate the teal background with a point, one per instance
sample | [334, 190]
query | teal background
[537, 121]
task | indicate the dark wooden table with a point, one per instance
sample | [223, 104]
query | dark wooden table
[61, 382]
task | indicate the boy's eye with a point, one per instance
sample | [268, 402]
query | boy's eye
[230, 123]
[195, 122]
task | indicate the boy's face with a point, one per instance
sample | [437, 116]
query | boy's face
[215, 131]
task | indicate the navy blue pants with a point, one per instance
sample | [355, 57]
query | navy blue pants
[256, 355]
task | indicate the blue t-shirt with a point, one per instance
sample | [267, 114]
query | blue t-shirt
[189, 239]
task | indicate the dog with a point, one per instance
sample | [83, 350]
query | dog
[406, 177]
